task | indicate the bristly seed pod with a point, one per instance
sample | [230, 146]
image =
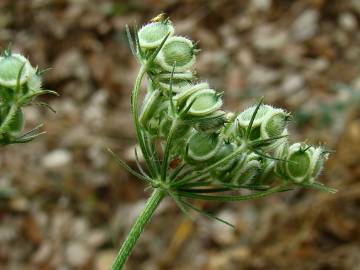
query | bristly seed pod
[151, 35]
[204, 102]
[10, 67]
[189, 91]
[304, 163]
[274, 123]
[202, 147]
[178, 51]
[246, 170]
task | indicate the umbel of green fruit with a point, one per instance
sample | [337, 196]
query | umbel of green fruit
[192, 148]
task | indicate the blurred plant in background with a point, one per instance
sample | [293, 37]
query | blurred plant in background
[20, 84]
[192, 148]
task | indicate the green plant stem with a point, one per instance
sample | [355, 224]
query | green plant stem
[137, 229]
[134, 107]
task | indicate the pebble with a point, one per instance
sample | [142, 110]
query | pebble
[292, 83]
[57, 158]
[347, 21]
[77, 254]
[267, 37]
[305, 25]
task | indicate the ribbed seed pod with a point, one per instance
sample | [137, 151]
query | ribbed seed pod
[267, 172]
[244, 118]
[178, 51]
[151, 35]
[304, 163]
[177, 76]
[204, 102]
[247, 170]
[10, 67]
[212, 123]
[150, 105]
[189, 91]
[176, 87]
[224, 150]
[274, 123]
[202, 147]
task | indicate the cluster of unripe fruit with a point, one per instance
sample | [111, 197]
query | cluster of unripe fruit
[202, 133]
[20, 83]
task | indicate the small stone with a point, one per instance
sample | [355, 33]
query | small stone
[292, 83]
[105, 259]
[261, 5]
[347, 21]
[267, 37]
[57, 158]
[306, 25]
[77, 254]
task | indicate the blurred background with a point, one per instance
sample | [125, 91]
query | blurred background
[65, 204]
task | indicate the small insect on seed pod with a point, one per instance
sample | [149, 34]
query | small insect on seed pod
[10, 67]
[178, 53]
[246, 170]
[202, 147]
[151, 35]
[204, 102]
[304, 163]
[274, 123]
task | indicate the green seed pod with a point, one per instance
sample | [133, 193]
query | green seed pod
[151, 103]
[176, 76]
[267, 172]
[202, 147]
[176, 87]
[10, 67]
[17, 124]
[189, 91]
[244, 118]
[274, 123]
[224, 150]
[304, 163]
[178, 51]
[212, 123]
[204, 102]
[246, 170]
[151, 35]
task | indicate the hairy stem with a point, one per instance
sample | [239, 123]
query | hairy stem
[10, 115]
[137, 229]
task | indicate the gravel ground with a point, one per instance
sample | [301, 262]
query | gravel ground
[70, 205]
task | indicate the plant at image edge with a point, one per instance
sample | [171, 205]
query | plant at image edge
[20, 84]
[206, 153]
